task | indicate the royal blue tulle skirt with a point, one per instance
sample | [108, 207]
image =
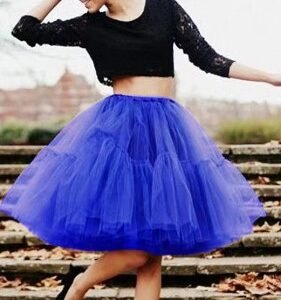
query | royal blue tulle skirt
[134, 172]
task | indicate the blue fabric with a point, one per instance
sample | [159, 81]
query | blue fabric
[134, 172]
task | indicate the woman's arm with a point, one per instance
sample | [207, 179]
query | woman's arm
[71, 32]
[42, 9]
[188, 38]
[243, 72]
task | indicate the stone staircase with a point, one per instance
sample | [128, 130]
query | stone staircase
[38, 267]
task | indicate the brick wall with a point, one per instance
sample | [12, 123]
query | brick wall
[71, 94]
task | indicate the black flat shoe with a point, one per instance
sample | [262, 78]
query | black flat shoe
[68, 279]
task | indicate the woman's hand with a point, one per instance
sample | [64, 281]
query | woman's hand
[275, 79]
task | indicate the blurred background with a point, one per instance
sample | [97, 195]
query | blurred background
[42, 88]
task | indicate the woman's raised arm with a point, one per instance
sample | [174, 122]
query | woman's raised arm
[243, 72]
[43, 8]
[31, 29]
[188, 38]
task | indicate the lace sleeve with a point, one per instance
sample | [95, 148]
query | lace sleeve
[71, 32]
[188, 38]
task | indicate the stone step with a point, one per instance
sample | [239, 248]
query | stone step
[167, 293]
[177, 266]
[259, 168]
[247, 168]
[11, 169]
[258, 240]
[251, 149]
[227, 149]
[262, 190]
[20, 149]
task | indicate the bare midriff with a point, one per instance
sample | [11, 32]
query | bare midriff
[144, 86]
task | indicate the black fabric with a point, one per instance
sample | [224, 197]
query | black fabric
[143, 46]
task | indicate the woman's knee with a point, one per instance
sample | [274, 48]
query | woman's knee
[137, 258]
[153, 265]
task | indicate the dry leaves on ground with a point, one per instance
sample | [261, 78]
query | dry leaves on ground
[261, 180]
[4, 282]
[46, 283]
[56, 253]
[251, 282]
[49, 282]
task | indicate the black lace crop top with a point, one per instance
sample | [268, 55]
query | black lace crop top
[143, 46]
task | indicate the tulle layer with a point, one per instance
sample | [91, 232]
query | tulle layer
[134, 172]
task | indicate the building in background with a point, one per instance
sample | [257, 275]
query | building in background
[71, 94]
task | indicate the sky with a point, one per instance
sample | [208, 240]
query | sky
[247, 31]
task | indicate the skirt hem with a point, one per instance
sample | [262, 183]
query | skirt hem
[109, 244]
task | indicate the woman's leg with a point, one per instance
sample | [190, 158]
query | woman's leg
[110, 264]
[148, 285]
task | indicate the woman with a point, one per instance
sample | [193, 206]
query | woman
[135, 175]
